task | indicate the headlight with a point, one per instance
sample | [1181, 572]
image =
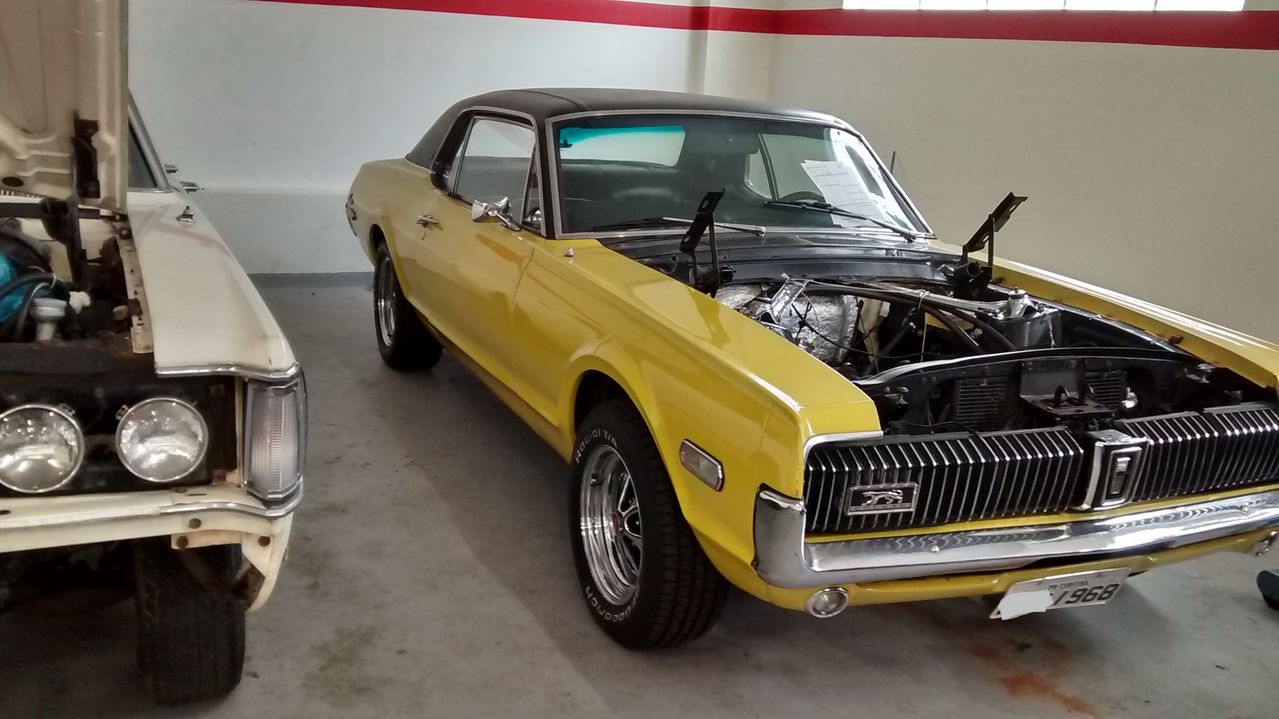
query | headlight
[41, 448]
[274, 438]
[162, 439]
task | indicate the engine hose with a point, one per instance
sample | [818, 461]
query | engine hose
[936, 310]
[21, 324]
[985, 327]
[17, 282]
[956, 330]
[18, 318]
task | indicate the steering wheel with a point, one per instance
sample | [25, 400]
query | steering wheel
[803, 195]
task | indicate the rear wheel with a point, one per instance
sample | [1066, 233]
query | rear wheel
[190, 639]
[645, 578]
[402, 340]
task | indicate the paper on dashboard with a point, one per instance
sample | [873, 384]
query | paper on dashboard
[842, 187]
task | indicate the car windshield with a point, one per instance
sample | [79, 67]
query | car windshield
[618, 173]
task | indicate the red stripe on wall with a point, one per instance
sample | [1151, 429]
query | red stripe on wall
[1250, 30]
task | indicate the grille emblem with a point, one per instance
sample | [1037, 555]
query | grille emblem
[881, 498]
[1116, 469]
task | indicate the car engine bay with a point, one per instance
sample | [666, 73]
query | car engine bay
[61, 278]
[960, 356]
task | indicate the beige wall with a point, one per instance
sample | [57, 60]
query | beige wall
[1150, 170]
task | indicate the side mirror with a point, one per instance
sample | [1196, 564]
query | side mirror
[499, 210]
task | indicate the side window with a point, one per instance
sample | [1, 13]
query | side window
[495, 163]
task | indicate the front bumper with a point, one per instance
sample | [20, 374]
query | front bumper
[784, 559]
[190, 516]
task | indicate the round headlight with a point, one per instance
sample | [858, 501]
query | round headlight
[161, 439]
[41, 448]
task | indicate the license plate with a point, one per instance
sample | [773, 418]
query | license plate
[1066, 591]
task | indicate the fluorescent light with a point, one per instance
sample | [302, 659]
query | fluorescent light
[1201, 5]
[1026, 4]
[952, 4]
[889, 4]
[1132, 5]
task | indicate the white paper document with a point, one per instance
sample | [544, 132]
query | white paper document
[842, 187]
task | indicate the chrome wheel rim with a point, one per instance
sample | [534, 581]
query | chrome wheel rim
[610, 525]
[384, 301]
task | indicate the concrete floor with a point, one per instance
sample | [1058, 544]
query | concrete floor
[430, 575]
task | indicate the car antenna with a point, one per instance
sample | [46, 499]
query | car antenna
[703, 224]
[984, 238]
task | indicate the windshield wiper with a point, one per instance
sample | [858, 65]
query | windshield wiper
[819, 206]
[668, 221]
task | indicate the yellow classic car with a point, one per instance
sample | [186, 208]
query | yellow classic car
[763, 367]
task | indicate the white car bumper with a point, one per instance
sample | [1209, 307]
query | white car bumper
[191, 516]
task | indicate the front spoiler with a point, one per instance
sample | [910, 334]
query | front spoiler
[784, 559]
[191, 516]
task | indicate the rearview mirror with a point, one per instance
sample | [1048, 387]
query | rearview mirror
[499, 210]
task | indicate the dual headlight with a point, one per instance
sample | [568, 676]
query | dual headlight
[161, 439]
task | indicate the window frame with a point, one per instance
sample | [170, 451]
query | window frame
[456, 143]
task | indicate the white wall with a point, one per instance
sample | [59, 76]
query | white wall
[272, 107]
[1153, 170]
[1150, 169]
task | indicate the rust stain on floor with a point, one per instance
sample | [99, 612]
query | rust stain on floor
[1009, 656]
[1031, 684]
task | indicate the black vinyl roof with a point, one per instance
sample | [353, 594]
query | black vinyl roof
[545, 103]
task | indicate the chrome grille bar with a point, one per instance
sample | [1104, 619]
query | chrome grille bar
[958, 477]
[1220, 448]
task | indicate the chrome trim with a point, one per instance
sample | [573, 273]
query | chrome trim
[260, 374]
[158, 170]
[827, 121]
[20, 523]
[75, 469]
[839, 437]
[784, 559]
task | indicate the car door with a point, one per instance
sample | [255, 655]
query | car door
[469, 270]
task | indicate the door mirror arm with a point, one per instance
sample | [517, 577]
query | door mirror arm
[499, 210]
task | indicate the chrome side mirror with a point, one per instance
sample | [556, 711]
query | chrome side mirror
[499, 210]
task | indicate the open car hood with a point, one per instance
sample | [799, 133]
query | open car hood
[63, 100]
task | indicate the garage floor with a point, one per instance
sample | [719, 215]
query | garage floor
[430, 575]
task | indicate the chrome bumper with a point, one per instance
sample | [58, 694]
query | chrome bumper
[44, 522]
[784, 559]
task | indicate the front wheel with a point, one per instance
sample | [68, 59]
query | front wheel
[190, 638]
[402, 340]
[644, 577]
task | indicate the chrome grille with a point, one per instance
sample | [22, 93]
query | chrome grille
[959, 477]
[1193, 452]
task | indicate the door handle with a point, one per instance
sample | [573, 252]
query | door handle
[425, 220]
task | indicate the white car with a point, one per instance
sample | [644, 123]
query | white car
[152, 414]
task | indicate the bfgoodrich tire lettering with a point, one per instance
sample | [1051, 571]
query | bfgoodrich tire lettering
[402, 340]
[190, 640]
[677, 594]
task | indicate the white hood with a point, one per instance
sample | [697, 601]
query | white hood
[64, 99]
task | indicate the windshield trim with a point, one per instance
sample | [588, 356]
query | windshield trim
[834, 122]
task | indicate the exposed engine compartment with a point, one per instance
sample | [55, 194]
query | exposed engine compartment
[61, 278]
[940, 358]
